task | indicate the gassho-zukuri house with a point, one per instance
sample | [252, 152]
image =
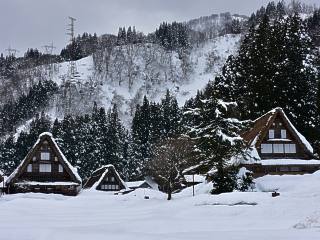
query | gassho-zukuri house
[45, 169]
[276, 147]
[106, 178]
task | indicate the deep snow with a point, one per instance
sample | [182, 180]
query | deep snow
[295, 214]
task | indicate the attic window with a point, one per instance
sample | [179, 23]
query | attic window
[44, 167]
[45, 142]
[29, 168]
[45, 156]
[271, 133]
[34, 158]
[60, 168]
[112, 179]
[283, 133]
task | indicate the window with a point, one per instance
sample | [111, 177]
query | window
[56, 159]
[29, 168]
[290, 148]
[112, 179]
[45, 156]
[60, 168]
[271, 133]
[109, 187]
[34, 158]
[266, 148]
[278, 148]
[295, 169]
[283, 133]
[284, 169]
[44, 167]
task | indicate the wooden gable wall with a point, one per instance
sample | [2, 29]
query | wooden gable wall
[281, 147]
[35, 162]
[110, 182]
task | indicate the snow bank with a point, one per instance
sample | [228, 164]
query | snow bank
[101, 215]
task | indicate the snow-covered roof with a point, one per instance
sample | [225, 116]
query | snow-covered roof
[73, 169]
[107, 169]
[34, 183]
[270, 162]
[255, 135]
[135, 184]
[64, 159]
[301, 137]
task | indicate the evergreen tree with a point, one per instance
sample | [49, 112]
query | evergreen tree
[117, 141]
[8, 159]
[141, 144]
[170, 116]
[274, 68]
[218, 139]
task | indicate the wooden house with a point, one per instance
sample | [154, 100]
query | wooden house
[106, 178]
[45, 169]
[276, 147]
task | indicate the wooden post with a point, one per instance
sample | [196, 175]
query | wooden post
[193, 184]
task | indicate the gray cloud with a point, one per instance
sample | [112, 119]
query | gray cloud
[34, 23]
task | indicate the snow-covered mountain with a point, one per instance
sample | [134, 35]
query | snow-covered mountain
[132, 71]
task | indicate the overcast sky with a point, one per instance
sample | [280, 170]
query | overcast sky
[34, 23]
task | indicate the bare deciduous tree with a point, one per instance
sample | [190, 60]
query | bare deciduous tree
[171, 157]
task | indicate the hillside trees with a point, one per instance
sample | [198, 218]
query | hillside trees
[26, 106]
[151, 123]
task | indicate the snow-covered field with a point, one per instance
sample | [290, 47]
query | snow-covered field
[295, 214]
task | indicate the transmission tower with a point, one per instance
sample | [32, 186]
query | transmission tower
[70, 90]
[72, 64]
[11, 51]
[49, 48]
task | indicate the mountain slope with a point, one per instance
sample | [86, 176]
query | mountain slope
[131, 71]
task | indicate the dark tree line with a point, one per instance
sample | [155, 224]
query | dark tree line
[92, 140]
[172, 36]
[82, 46]
[26, 106]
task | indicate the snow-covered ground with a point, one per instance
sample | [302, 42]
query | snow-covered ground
[295, 214]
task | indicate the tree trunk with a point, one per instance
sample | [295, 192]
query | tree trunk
[169, 192]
